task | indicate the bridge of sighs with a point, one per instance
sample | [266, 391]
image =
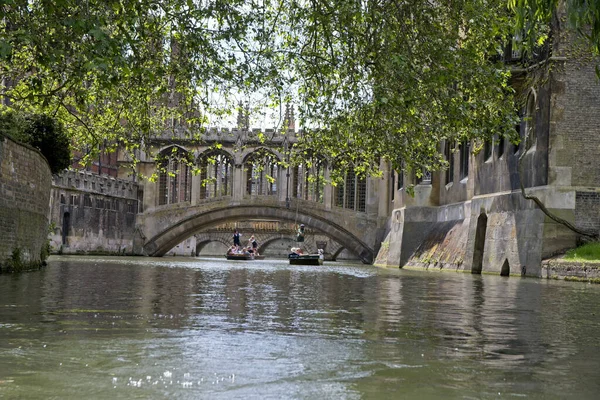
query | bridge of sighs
[241, 175]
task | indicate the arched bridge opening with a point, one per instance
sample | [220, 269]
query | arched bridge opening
[166, 239]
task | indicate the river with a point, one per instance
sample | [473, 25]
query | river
[192, 328]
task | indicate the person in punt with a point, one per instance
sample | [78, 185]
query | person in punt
[253, 244]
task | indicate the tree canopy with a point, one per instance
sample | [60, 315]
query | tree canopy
[373, 79]
[39, 131]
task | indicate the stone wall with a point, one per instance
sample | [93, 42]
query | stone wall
[92, 214]
[25, 181]
[587, 210]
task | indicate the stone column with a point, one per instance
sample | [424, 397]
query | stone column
[238, 183]
[282, 182]
[196, 182]
[328, 190]
[383, 190]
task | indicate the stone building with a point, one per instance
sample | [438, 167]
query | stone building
[92, 214]
[473, 217]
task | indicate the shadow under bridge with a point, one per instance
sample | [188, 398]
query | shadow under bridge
[165, 227]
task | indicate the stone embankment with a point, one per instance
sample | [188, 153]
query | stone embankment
[569, 270]
[25, 181]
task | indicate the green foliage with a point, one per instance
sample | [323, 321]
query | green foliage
[533, 17]
[374, 80]
[391, 80]
[587, 252]
[128, 70]
[15, 263]
[48, 136]
[11, 124]
[42, 132]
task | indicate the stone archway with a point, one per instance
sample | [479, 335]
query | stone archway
[505, 271]
[164, 240]
[66, 223]
[480, 231]
[200, 245]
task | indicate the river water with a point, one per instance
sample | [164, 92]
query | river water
[126, 328]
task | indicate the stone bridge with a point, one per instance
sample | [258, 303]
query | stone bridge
[313, 240]
[240, 177]
[165, 226]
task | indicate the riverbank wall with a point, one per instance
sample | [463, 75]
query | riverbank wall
[568, 270]
[92, 214]
[503, 234]
[25, 181]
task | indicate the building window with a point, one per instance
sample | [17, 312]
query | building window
[425, 178]
[262, 170]
[529, 134]
[501, 146]
[401, 176]
[339, 195]
[308, 180]
[216, 174]
[361, 194]
[487, 149]
[352, 194]
[516, 146]
[140, 200]
[464, 150]
[450, 158]
[175, 176]
[87, 201]
[393, 177]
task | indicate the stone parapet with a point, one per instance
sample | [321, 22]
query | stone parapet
[87, 182]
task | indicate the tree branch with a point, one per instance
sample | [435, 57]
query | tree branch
[543, 208]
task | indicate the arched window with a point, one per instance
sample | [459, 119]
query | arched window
[262, 169]
[449, 154]
[352, 193]
[216, 174]
[501, 146]
[175, 176]
[530, 137]
[464, 151]
[308, 180]
[487, 149]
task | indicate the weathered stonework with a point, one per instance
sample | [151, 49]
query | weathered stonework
[571, 270]
[499, 231]
[587, 210]
[24, 192]
[92, 214]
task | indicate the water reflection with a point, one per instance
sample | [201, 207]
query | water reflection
[182, 328]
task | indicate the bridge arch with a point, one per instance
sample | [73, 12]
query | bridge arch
[200, 244]
[169, 237]
[282, 236]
